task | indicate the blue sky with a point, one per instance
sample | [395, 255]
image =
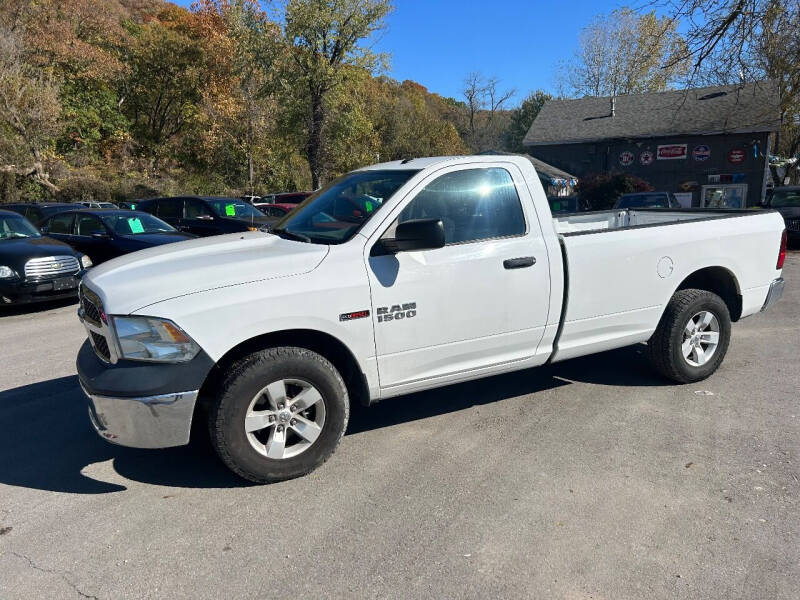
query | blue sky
[438, 42]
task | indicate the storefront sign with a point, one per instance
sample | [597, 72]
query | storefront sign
[626, 158]
[701, 152]
[671, 151]
[646, 158]
[727, 178]
[736, 155]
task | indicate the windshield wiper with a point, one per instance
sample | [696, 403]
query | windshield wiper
[292, 235]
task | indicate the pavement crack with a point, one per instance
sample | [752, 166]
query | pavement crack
[33, 565]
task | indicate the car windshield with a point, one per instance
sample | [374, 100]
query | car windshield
[15, 227]
[335, 213]
[785, 198]
[233, 208]
[136, 224]
[643, 201]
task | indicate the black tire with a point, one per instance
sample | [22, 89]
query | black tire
[243, 382]
[664, 347]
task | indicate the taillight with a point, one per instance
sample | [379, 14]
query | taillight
[782, 252]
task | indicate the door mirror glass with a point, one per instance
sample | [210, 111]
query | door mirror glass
[419, 234]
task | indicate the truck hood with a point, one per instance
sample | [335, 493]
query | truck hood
[134, 281]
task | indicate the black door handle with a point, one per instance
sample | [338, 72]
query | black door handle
[519, 263]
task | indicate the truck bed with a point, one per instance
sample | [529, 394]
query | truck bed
[625, 218]
[622, 267]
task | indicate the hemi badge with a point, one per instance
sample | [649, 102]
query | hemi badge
[359, 314]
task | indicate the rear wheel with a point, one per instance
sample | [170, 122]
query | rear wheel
[280, 414]
[692, 337]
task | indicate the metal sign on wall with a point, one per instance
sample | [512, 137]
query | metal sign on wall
[646, 158]
[736, 155]
[671, 152]
[626, 158]
[701, 152]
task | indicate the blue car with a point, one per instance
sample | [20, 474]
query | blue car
[105, 234]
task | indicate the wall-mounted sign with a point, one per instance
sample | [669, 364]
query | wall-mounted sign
[701, 152]
[626, 158]
[671, 151]
[736, 156]
[727, 178]
[646, 158]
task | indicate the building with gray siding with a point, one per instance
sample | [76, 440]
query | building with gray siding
[710, 146]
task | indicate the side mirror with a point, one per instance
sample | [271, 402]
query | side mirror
[420, 234]
[44, 229]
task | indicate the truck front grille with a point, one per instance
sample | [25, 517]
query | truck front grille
[96, 323]
[92, 307]
[793, 224]
[51, 266]
[100, 346]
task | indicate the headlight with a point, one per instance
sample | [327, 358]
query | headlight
[86, 262]
[148, 338]
[7, 272]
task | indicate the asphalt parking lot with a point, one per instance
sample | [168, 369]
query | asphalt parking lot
[587, 479]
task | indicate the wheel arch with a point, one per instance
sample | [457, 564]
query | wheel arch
[722, 282]
[322, 343]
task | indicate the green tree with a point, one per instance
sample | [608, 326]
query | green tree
[325, 38]
[522, 118]
[163, 89]
[29, 112]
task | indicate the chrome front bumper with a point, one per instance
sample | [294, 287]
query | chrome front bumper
[149, 422]
[775, 293]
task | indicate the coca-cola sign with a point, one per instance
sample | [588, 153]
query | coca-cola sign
[671, 151]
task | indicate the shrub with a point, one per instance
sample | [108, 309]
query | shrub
[601, 191]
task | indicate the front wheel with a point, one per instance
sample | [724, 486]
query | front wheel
[692, 337]
[280, 414]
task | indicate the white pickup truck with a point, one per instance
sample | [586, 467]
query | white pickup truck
[395, 278]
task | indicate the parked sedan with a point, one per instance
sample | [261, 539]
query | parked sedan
[105, 234]
[33, 267]
[284, 198]
[38, 212]
[275, 210]
[207, 215]
[786, 200]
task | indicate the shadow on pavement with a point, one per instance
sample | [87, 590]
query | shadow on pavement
[7, 310]
[48, 441]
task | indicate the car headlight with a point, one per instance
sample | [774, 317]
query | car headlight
[152, 339]
[86, 262]
[7, 272]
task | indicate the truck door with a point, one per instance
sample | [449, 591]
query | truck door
[480, 301]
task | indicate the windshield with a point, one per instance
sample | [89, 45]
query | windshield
[14, 227]
[335, 213]
[643, 201]
[233, 208]
[783, 198]
[136, 224]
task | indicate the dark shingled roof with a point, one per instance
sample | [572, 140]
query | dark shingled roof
[748, 107]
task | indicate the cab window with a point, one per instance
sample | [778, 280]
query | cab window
[61, 224]
[88, 224]
[170, 208]
[473, 204]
